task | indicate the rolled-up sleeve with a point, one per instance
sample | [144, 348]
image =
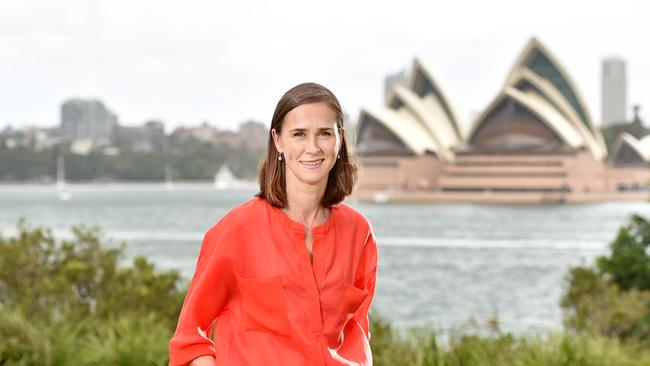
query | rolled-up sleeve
[367, 279]
[206, 297]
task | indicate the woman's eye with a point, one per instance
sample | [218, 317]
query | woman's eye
[298, 134]
[325, 133]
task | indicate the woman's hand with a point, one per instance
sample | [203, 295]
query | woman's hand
[203, 361]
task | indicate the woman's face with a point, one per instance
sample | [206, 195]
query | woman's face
[310, 142]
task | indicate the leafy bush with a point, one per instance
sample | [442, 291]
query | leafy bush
[613, 299]
[70, 302]
[629, 263]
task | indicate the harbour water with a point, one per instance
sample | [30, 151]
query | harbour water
[440, 265]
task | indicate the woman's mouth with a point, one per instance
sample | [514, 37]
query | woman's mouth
[312, 164]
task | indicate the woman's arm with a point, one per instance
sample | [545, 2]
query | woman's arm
[203, 361]
[207, 295]
[367, 281]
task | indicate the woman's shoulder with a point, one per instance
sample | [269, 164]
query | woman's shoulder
[354, 223]
[350, 216]
[246, 210]
[240, 216]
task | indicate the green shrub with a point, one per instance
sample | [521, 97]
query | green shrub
[389, 346]
[628, 265]
[421, 347]
[130, 340]
[78, 278]
[613, 299]
[71, 303]
[596, 306]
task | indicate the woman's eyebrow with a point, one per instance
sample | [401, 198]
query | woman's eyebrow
[300, 129]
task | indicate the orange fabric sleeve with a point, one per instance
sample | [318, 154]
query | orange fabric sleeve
[368, 279]
[207, 295]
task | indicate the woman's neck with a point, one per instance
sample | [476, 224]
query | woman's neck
[304, 203]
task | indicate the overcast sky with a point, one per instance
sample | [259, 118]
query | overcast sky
[229, 61]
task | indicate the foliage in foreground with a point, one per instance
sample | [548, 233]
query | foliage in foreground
[613, 299]
[422, 347]
[70, 303]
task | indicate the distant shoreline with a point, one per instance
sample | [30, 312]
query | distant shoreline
[185, 183]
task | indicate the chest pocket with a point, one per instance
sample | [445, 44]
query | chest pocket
[264, 305]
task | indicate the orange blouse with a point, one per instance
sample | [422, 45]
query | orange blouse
[256, 288]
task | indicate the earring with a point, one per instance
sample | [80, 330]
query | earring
[280, 157]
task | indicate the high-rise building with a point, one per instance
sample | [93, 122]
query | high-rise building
[253, 134]
[614, 91]
[142, 138]
[83, 119]
[399, 78]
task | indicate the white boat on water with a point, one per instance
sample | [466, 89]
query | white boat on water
[383, 196]
[60, 179]
[224, 179]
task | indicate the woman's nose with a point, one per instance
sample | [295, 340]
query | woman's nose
[312, 145]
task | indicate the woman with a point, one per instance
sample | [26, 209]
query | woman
[287, 277]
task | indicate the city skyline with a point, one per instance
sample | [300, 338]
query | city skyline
[229, 64]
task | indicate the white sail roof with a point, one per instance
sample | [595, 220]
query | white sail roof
[439, 94]
[539, 107]
[527, 81]
[430, 113]
[421, 115]
[405, 126]
[539, 60]
[641, 147]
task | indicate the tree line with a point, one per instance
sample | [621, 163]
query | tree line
[188, 160]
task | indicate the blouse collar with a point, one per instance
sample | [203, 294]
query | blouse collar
[297, 226]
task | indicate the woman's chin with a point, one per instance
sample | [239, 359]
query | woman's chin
[315, 181]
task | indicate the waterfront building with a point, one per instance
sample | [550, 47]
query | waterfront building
[535, 142]
[147, 137]
[614, 91]
[87, 119]
[204, 133]
[37, 138]
[253, 135]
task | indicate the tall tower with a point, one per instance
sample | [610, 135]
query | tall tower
[399, 78]
[87, 119]
[614, 91]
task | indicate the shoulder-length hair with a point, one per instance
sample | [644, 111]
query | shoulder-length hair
[342, 177]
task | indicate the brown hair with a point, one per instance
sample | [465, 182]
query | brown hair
[342, 177]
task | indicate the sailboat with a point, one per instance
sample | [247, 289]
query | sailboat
[169, 185]
[224, 179]
[60, 179]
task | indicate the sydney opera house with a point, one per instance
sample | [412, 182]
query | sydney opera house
[535, 142]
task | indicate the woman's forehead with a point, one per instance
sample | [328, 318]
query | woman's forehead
[313, 115]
